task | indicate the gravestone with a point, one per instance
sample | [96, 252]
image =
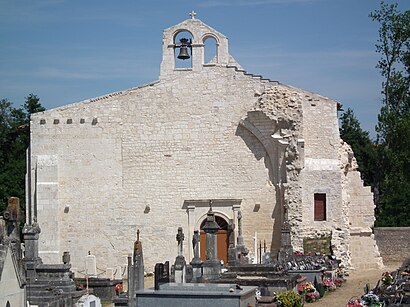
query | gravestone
[161, 274]
[135, 270]
[180, 263]
[90, 265]
[196, 262]
[212, 265]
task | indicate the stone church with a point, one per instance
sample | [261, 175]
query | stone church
[155, 157]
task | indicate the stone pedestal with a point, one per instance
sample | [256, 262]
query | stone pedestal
[31, 258]
[286, 250]
[179, 270]
[240, 251]
[91, 265]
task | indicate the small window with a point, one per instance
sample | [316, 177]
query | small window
[320, 207]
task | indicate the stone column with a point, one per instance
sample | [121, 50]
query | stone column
[197, 56]
[286, 249]
[231, 241]
[191, 227]
[235, 211]
[240, 237]
[31, 258]
[241, 250]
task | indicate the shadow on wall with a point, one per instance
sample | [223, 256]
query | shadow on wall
[259, 152]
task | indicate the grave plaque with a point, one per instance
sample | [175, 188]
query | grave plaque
[317, 245]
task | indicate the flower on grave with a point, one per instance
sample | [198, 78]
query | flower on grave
[329, 284]
[354, 302]
[387, 279]
[310, 287]
[302, 288]
[288, 299]
[298, 253]
[339, 281]
[312, 296]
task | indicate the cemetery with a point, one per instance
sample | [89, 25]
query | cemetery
[292, 277]
[240, 283]
[202, 166]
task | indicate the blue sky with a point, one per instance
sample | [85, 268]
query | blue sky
[65, 51]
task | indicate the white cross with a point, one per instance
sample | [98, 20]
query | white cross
[192, 14]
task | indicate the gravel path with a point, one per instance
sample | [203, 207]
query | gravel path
[353, 287]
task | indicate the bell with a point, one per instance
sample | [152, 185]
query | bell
[183, 50]
[183, 53]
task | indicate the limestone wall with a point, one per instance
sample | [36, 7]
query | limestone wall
[148, 158]
[394, 243]
[321, 174]
[359, 208]
[151, 147]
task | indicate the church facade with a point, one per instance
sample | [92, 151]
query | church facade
[155, 157]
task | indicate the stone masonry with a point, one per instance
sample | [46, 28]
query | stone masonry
[107, 166]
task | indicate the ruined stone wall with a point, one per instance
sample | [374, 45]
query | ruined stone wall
[358, 206]
[393, 243]
[321, 174]
[281, 105]
[128, 161]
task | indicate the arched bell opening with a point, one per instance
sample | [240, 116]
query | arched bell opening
[222, 238]
[210, 50]
[183, 49]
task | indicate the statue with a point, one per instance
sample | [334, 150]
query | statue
[180, 238]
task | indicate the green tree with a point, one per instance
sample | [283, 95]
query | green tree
[14, 140]
[393, 129]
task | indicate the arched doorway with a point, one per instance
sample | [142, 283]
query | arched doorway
[222, 237]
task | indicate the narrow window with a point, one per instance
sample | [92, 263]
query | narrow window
[320, 207]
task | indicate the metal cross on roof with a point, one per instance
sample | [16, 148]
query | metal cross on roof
[192, 14]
